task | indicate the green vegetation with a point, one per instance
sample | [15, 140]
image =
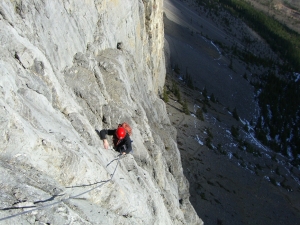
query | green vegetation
[209, 133]
[185, 108]
[204, 92]
[208, 140]
[204, 109]
[279, 101]
[165, 95]
[202, 195]
[176, 91]
[199, 114]
[235, 114]
[188, 80]
[279, 94]
[234, 131]
[177, 69]
[212, 98]
[281, 39]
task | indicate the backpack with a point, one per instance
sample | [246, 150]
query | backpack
[127, 127]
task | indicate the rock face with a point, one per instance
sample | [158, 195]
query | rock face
[69, 68]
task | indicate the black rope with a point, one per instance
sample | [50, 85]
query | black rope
[71, 197]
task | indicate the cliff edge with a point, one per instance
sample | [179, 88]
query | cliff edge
[69, 68]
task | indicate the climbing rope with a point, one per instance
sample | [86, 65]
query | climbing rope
[71, 197]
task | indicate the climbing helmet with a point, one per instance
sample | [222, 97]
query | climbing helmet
[120, 132]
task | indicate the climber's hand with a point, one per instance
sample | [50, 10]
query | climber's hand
[105, 144]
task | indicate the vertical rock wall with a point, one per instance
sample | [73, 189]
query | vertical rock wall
[69, 68]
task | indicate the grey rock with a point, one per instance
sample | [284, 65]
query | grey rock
[62, 78]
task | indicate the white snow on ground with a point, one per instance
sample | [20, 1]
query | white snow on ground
[297, 77]
[216, 47]
[256, 142]
[220, 54]
[229, 154]
[204, 39]
[190, 46]
[296, 179]
[198, 140]
[267, 178]
[251, 171]
[232, 145]
[196, 107]
[214, 119]
[244, 122]
[195, 122]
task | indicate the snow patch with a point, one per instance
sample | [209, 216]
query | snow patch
[267, 178]
[198, 140]
[297, 77]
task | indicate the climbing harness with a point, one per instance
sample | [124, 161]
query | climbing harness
[71, 197]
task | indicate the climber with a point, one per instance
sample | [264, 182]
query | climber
[121, 139]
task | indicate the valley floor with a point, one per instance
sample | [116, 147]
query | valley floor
[227, 185]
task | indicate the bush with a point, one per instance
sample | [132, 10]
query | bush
[234, 131]
[185, 108]
[212, 98]
[199, 114]
[208, 142]
[176, 91]
[165, 96]
[177, 69]
[235, 114]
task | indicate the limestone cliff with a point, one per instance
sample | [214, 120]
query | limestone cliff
[69, 68]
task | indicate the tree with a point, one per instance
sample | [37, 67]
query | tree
[165, 95]
[204, 92]
[189, 80]
[235, 114]
[199, 114]
[176, 91]
[177, 69]
[185, 108]
[204, 108]
[208, 142]
[234, 131]
[212, 98]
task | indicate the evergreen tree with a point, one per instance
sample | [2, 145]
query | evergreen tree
[208, 142]
[235, 114]
[176, 91]
[177, 69]
[234, 131]
[165, 95]
[212, 98]
[189, 80]
[185, 107]
[199, 114]
[204, 108]
[204, 92]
